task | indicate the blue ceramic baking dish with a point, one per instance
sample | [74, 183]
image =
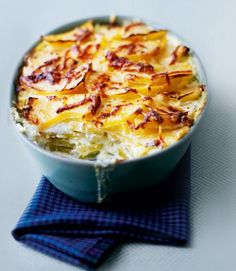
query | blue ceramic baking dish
[90, 182]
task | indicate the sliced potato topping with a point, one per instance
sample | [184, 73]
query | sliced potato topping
[109, 92]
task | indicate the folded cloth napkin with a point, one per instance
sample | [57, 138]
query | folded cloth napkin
[83, 234]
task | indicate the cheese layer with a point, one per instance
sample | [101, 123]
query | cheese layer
[109, 92]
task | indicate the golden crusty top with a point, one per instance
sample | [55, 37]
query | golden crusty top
[130, 84]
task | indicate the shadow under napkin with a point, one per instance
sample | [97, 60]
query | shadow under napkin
[83, 234]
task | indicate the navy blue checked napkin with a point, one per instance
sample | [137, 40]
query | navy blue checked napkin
[84, 234]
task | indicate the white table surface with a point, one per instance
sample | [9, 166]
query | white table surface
[209, 27]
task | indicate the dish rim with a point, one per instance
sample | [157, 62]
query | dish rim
[105, 19]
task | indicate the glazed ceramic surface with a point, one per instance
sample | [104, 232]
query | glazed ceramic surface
[87, 181]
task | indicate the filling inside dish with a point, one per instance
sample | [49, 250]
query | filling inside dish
[108, 92]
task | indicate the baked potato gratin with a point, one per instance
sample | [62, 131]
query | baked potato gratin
[108, 92]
